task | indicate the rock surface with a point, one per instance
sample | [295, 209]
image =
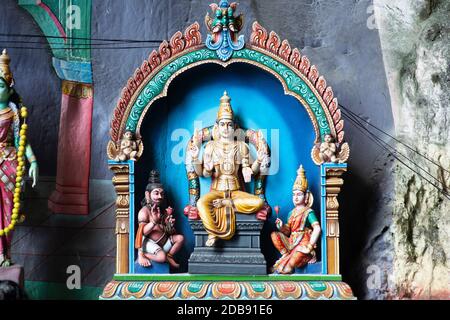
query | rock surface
[415, 37]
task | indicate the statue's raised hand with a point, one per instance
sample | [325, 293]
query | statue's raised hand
[170, 220]
[247, 173]
[155, 213]
[278, 223]
[208, 162]
[194, 150]
[34, 172]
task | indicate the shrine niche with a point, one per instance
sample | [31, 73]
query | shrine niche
[227, 182]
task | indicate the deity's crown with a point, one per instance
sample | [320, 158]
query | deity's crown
[5, 72]
[225, 110]
[301, 183]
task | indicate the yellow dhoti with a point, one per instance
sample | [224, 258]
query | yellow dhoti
[221, 222]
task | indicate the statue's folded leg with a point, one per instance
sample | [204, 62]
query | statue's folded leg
[246, 203]
[280, 242]
[219, 223]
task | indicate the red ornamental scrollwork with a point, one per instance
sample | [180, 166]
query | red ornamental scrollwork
[313, 74]
[178, 43]
[295, 58]
[304, 66]
[138, 77]
[272, 43]
[146, 69]
[321, 85]
[259, 36]
[328, 95]
[193, 36]
[285, 50]
[164, 51]
[154, 59]
[131, 85]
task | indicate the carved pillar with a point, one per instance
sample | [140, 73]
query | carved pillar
[121, 182]
[74, 150]
[67, 25]
[333, 184]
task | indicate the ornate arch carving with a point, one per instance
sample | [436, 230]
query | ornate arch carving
[266, 50]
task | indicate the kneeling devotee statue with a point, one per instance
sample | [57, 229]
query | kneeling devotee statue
[225, 159]
[156, 238]
[297, 239]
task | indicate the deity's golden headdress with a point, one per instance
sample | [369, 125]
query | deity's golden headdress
[5, 72]
[301, 183]
[225, 110]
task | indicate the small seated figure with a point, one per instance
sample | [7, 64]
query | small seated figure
[296, 240]
[328, 150]
[156, 238]
[128, 148]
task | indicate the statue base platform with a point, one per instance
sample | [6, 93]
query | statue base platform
[14, 273]
[213, 287]
[155, 268]
[239, 255]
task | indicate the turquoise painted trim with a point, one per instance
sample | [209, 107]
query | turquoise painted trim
[132, 218]
[76, 71]
[52, 17]
[323, 207]
[46, 24]
[323, 218]
[157, 84]
[209, 277]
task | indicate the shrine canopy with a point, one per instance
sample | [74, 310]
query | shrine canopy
[266, 51]
[191, 76]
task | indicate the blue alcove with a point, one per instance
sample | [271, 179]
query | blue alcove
[259, 102]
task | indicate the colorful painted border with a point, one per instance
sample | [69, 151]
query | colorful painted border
[227, 290]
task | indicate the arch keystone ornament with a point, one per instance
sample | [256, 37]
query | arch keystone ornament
[300, 79]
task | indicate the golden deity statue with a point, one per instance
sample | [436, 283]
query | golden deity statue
[226, 160]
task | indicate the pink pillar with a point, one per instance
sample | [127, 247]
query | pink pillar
[74, 150]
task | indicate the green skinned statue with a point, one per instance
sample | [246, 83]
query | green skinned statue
[13, 151]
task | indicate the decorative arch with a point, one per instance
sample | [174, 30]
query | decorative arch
[265, 50]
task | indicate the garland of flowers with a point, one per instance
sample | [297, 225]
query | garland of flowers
[19, 174]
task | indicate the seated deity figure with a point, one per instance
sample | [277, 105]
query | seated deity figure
[156, 238]
[296, 240]
[225, 160]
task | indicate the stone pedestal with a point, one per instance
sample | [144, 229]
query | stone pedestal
[13, 273]
[240, 255]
